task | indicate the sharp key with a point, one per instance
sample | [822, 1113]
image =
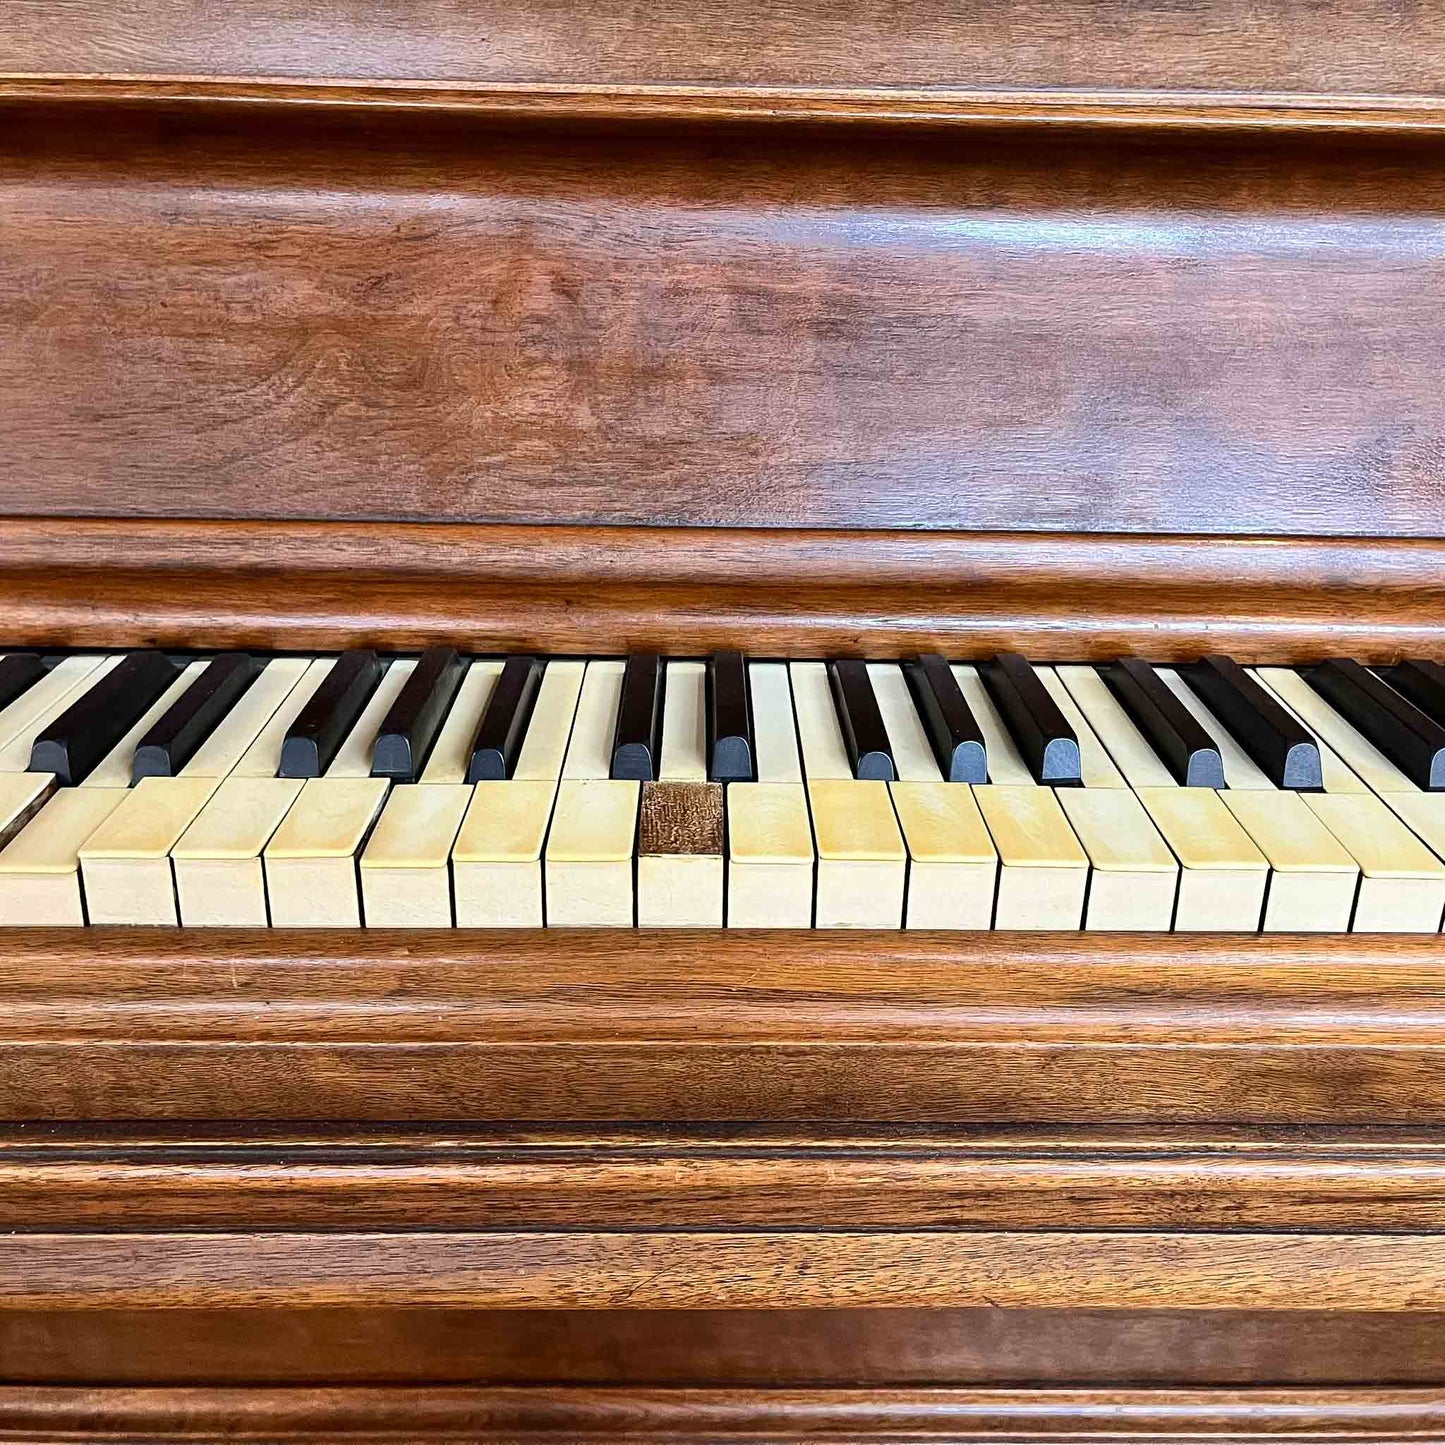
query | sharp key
[869, 752]
[90, 727]
[731, 750]
[322, 725]
[953, 731]
[410, 727]
[637, 742]
[1047, 743]
[498, 742]
[173, 739]
[1175, 734]
[1412, 741]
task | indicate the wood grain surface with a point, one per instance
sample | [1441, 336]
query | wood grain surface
[189, 1177]
[713, 1025]
[222, 316]
[737, 1270]
[1380, 47]
[689, 591]
[31, 1413]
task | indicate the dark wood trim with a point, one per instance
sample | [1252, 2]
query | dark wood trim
[342, 1177]
[713, 1025]
[1166, 109]
[321, 585]
[498, 1413]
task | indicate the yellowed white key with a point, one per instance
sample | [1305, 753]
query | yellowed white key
[1134, 882]
[680, 825]
[913, 759]
[451, 753]
[1096, 767]
[263, 757]
[236, 733]
[113, 770]
[770, 855]
[590, 852]
[1223, 874]
[589, 750]
[1043, 869]
[37, 707]
[497, 858]
[220, 880]
[825, 756]
[1006, 766]
[405, 881]
[775, 730]
[1313, 878]
[862, 863]
[40, 868]
[952, 863]
[126, 863]
[311, 860]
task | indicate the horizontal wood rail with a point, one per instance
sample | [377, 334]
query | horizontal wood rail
[341, 1177]
[321, 1413]
[78, 582]
[714, 1026]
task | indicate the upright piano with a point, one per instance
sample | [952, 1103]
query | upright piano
[722, 721]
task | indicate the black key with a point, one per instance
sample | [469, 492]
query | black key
[1288, 756]
[410, 727]
[322, 725]
[1412, 741]
[19, 672]
[1046, 741]
[498, 740]
[1423, 683]
[1174, 733]
[869, 751]
[193, 717]
[958, 741]
[92, 725]
[637, 742]
[731, 753]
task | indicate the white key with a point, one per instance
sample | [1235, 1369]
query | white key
[1134, 882]
[825, 755]
[497, 858]
[113, 770]
[451, 753]
[590, 850]
[952, 863]
[263, 757]
[913, 759]
[37, 707]
[589, 751]
[770, 854]
[775, 730]
[1240, 770]
[1006, 766]
[862, 863]
[1096, 766]
[40, 868]
[684, 723]
[405, 882]
[310, 862]
[1043, 869]
[236, 733]
[1129, 750]
[1223, 875]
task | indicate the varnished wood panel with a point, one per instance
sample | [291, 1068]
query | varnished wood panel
[1377, 47]
[1399, 1273]
[340, 1177]
[714, 1025]
[462, 320]
[691, 591]
[837, 1415]
[768, 1348]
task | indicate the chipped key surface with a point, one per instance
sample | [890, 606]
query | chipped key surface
[854, 821]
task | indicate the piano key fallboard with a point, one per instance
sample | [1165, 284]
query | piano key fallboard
[451, 791]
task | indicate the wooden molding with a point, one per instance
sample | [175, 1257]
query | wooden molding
[310, 585]
[825, 1415]
[715, 1025]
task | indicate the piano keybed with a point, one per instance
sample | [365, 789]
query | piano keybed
[486, 792]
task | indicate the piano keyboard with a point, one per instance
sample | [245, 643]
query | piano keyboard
[441, 791]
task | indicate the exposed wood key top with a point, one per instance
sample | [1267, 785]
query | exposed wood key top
[90, 727]
[176, 735]
[1411, 740]
[869, 752]
[1177, 736]
[637, 743]
[731, 753]
[315, 736]
[1283, 750]
[404, 740]
[1049, 746]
